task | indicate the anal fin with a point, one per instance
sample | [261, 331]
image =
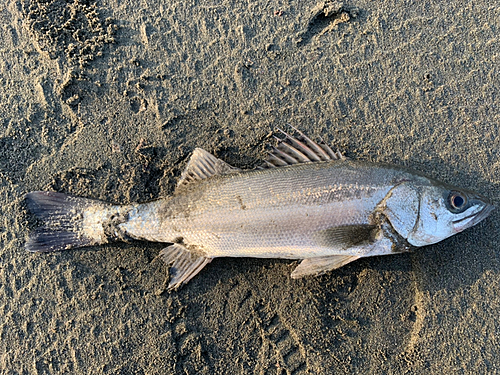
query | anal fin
[319, 265]
[184, 264]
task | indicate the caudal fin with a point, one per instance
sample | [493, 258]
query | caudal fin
[69, 221]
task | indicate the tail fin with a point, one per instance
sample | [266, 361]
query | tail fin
[69, 221]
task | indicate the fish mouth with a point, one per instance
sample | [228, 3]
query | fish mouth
[473, 219]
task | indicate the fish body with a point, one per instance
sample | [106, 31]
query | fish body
[286, 212]
[311, 204]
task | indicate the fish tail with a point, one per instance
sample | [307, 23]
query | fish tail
[71, 222]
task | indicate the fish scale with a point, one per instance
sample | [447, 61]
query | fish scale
[270, 213]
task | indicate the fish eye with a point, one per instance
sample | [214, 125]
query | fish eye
[457, 201]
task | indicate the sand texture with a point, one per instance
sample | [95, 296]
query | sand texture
[107, 99]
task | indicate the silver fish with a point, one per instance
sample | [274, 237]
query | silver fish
[307, 202]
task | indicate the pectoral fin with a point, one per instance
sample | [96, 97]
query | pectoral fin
[184, 264]
[383, 243]
[320, 265]
[346, 236]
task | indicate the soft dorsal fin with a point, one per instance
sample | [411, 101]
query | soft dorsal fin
[301, 149]
[202, 165]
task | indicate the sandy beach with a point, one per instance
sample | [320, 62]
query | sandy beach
[107, 99]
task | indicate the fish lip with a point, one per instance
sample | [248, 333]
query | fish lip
[477, 217]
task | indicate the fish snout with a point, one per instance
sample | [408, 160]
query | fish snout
[485, 206]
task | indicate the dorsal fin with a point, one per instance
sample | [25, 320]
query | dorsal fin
[202, 165]
[301, 149]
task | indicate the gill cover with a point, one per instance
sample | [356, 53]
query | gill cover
[402, 209]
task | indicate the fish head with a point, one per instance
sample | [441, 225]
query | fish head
[444, 211]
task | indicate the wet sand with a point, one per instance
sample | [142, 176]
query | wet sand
[107, 99]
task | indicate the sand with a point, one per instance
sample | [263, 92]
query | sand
[107, 99]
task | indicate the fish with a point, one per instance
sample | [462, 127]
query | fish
[305, 202]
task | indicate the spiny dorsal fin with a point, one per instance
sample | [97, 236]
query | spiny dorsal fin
[202, 165]
[301, 149]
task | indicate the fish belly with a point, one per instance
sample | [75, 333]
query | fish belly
[288, 232]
